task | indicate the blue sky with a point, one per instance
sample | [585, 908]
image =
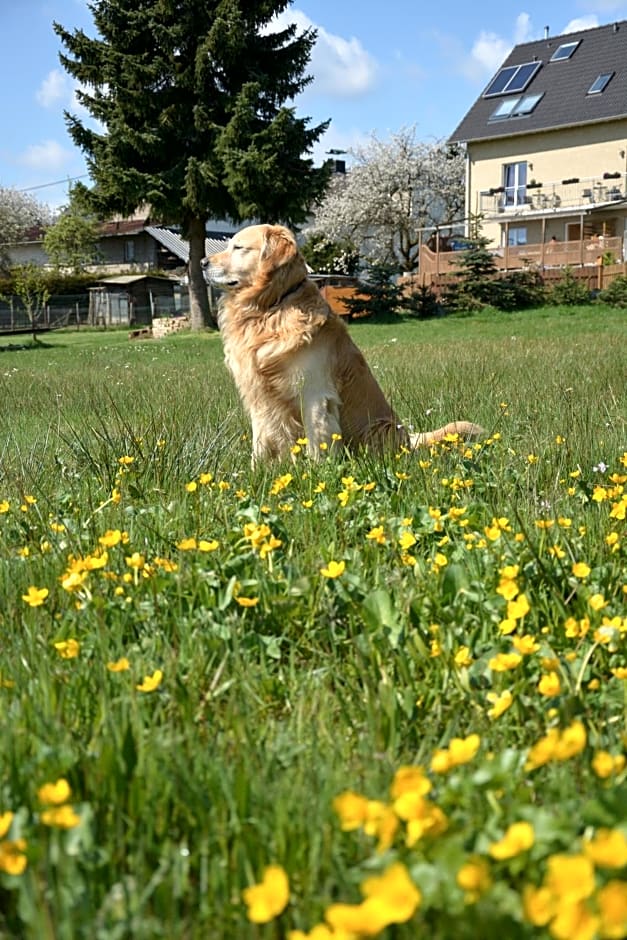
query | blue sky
[377, 68]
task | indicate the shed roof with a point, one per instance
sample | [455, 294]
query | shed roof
[132, 278]
[179, 246]
[563, 85]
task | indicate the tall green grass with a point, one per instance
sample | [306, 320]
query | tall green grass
[126, 493]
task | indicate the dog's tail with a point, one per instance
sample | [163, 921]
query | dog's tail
[465, 430]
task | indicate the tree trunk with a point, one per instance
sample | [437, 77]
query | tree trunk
[199, 312]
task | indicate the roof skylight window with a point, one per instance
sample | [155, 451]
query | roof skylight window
[512, 78]
[515, 107]
[600, 83]
[564, 51]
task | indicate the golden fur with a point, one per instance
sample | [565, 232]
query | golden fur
[297, 370]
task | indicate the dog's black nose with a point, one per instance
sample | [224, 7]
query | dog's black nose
[204, 262]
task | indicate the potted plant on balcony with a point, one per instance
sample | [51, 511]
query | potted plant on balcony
[533, 184]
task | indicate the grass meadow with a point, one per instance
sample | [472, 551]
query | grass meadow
[363, 697]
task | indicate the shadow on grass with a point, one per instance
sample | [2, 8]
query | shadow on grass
[30, 345]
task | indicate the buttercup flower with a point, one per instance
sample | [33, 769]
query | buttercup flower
[13, 861]
[570, 878]
[605, 764]
[267, 900]
[474, 878]
[54, 794]
[500, 703]
[120, 665]
[518, 838]
[390, 898]
[334, 569]
[550, 685]
[68, 649]
[612, 903]
[35, 596]
[61, 817]
[352, 810]
[581, 570]
[150, 683]
[607, 848]
[504, 661]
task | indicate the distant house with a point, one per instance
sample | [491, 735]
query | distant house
[547, 148]
[130, 245]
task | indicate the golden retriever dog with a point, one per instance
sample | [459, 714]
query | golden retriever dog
[298, 372]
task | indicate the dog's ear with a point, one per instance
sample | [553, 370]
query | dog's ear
[279, 246]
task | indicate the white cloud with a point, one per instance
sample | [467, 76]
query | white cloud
[581, 22]
[48, 155]
[53, 89]
[487, 53]
[523, 31]
[340, 67]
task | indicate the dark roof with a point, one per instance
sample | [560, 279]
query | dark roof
[563, 85]
[123, 227]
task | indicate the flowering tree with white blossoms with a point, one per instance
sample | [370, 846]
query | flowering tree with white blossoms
[393, 190]
[18, 213]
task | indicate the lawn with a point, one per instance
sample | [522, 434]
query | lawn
[364, 697]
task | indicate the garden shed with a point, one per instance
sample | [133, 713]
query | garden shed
[128, 299]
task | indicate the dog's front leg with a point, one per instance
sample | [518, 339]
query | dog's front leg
[321, 420]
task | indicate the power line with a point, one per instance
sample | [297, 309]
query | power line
[68, 179]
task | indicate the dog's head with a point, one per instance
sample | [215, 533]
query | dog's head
[262, 261]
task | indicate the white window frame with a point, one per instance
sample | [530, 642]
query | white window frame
[515, 184]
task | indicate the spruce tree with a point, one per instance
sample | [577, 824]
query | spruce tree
[191, 99]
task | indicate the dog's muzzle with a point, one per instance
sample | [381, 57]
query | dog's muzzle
[216, 275]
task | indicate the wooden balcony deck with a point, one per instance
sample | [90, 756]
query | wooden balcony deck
[586, 252]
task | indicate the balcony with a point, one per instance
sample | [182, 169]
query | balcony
[566, 196]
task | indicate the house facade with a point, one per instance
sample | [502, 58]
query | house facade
[547, 150]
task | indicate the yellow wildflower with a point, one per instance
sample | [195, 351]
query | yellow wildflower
[352, 810]
[581, 570]
[612, 904]
[35, 597]
[500, 703]
[61, 817]
[13, 861]
[150, 683]
[68, 649]
[605, 764]
[502, 662]
[269, 898]
[54, 794]
[518, 608]
[570, 878]
[550, 685]
[410, 779]
[120, 665]
[607, 848]
[525, 645]
[518, 838]
[334, 569]
[474, 878]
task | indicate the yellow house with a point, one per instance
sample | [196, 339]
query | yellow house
[547, 149]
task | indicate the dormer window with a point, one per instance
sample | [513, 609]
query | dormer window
[600, 83]
[512, 78]
[564, 51]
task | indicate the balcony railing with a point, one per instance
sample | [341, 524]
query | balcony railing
[543, 198]
[584, 252]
